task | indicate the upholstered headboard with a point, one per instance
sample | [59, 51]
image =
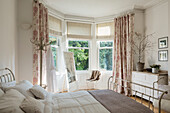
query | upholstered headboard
[6, 75]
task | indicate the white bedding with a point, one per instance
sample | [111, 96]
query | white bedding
[74, 102]
[10, 102]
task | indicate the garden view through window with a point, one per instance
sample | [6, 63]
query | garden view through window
[105, 55]
[54, 48]
[81, 53]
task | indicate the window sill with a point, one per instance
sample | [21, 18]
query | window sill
[82, 72]
[107, 72]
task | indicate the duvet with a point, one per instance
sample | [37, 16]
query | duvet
[97, 101]
[73, 102]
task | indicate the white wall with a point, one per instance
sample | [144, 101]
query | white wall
[138, 27]
[24, 36]
[156, 21]
[8, 35]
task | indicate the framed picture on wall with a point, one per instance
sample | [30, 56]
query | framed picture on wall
[163, 42]
[163, 55]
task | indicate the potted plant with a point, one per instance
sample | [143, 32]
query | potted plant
[155, 68]
[139, 45]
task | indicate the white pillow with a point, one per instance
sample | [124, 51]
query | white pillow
[4, 85]
[23, 87]
[39, 92]
[165, 88]
[31, 105]
[1, 92]
[10, 102]
[29, 84]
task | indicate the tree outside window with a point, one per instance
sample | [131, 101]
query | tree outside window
[105, 55]
[54, 47]
[81, 53]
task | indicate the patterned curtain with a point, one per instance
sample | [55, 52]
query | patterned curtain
[40, 32]
[122, 62]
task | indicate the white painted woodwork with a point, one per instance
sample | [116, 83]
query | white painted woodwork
[147, 79]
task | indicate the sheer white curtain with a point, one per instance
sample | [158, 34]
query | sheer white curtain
[56, 81]
[51, 71]
[61, 75]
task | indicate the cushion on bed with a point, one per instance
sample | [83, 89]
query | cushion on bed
[10, 102]
[31, 105]
[1, 92]
[23, 87]
[39, 92]
[4, 85]
[29, 84]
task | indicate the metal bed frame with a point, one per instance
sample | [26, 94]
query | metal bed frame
[112, 83]
[8, 77]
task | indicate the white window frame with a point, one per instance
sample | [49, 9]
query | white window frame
[57, 48]
[89, 41]
[98, 50]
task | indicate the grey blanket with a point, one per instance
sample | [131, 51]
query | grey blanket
[117, 103]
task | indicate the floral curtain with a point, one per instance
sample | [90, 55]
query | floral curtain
[122, 62]
[40, 32]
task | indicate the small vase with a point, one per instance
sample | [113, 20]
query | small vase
[155, 70]
[140, 66]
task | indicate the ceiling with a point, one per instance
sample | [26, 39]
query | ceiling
[98, 8]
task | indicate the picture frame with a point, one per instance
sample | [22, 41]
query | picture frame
[163, 55]
[163, 42]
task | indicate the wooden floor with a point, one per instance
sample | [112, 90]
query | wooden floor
[146, 104]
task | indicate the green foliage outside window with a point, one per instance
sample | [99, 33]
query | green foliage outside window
[54, 51]
[106, 44]
[81, 55]
[53, 39]
[78, 43]
[105, 55]
[105, 59]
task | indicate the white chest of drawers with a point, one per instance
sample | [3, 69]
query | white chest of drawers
[147, 79]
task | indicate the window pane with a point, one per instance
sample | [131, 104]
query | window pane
[106, 44]
[78, 44]
[81, 57]
[53, 40]
[105, 59]
[54, 51]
